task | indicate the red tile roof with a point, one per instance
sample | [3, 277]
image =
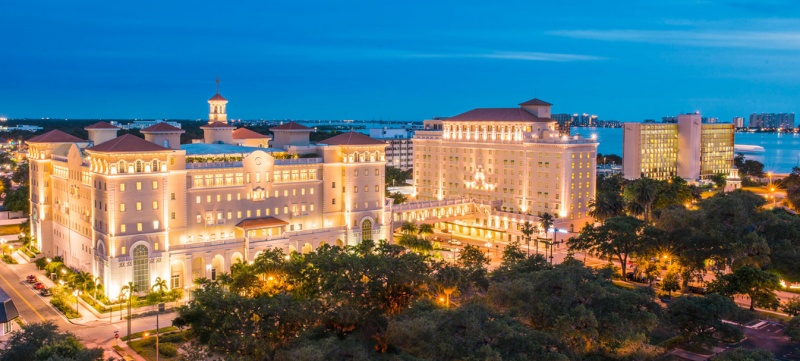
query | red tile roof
[244, 133]
[55, 136]
[262, 222]
[217, 125]
[352, 138]
[535, 101]
[497, 114]
[162, 127]
[218, 97]
[290, 126]
[101, 125]
[127, 144]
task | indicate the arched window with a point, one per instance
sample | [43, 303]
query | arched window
[139, 166]
[366, 230]
[154, 165]
[141, 268]
[100, 256]
[122, 168]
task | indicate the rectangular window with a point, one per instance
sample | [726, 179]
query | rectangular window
[138, 206]
[172, 215]
[333, 185]
[122, 207]
[155, 184]
[138, 227]
[198, 199]
[122, 187]
[172, 196]
[122, 230]
[229, 197]
[123, 247]
[333, 201]
[155, 204]
[238, 214]
[208, 198]
[155, 226]
[138, 186]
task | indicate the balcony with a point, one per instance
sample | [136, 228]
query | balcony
[296, 161]
[212, 165]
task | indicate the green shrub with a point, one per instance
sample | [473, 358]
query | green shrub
[167, 350]
[173, 337]
[65, 308]
[40, 263]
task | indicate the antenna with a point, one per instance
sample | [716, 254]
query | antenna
[217, 84]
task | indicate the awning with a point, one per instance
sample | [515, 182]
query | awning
[261, 222]
[8, 311]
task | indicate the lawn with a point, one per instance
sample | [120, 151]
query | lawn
[146, 347]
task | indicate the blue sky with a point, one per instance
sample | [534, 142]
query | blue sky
[401, 60]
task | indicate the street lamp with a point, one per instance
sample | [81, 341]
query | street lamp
[488, 248]
[77, 304]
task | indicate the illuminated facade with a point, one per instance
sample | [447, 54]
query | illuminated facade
[689, 149]
[513, 161]
[129, 209]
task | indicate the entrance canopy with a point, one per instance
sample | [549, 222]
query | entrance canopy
[261, 222]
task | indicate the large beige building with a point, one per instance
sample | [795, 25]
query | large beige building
[513, 161]
[689, 149]
[131, 209]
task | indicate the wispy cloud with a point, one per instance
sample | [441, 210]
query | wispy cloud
[777, 40]
[512, 55]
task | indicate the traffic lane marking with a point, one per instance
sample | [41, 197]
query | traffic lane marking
[23, 298]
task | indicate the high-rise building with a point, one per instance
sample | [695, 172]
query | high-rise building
[512, 159]
[400, 149]
[689, 149]
[738, 122]
[563, 122]
[772, 120]
[128, 209]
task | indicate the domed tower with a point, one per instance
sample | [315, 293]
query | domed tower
[216, 106]
[217, 131]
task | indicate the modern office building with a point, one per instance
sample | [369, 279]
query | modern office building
[689, 149]
[400, 148]
[129, 209]
[512, 161]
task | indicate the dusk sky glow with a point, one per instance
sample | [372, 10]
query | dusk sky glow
[412, 60]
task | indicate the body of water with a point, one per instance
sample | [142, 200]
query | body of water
[781, 150]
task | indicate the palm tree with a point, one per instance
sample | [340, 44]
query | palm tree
[129, 290]
[642, 193]
[448, 280]
[528, 229]
[425, 229]
[547, 220]
[161, 285]
[605, 206]
[408, 227]
[81, 281]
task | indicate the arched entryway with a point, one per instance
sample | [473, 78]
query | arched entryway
[176, 274]
[236, 258]
[217, 266]
[366, 230]
[198, 268]
[307, 248]
[339, 243]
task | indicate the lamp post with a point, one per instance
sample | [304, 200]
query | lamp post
[77, 303]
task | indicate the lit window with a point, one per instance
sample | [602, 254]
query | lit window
[155, 204]
[138, 206]
[122, 187]
[155, 225]
[122, 229]
[155, 184]
[138, 186]
[138, 227]
[122, 207]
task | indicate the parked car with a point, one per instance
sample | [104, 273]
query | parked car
[698, 290]
[45, 292]
[455, 242]
[39, 286]
[32, 279]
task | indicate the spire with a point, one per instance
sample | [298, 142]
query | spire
[217, 84]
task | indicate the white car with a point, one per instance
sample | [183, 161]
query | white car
[455, 242]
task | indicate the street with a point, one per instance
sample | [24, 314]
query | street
[92, 331]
